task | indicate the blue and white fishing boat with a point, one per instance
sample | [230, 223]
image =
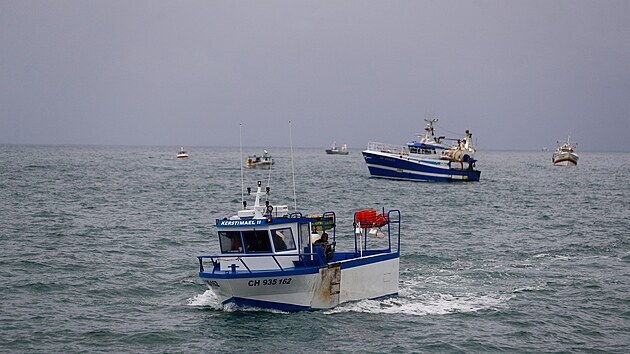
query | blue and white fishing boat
[430, 159]
[270, 258]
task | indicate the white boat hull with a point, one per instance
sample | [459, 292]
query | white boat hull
[259, 164]
[349, 280]
[565, 159]
[369, 281]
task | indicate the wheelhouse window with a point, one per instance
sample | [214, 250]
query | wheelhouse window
[283, 239]
[421, 150]
[230, 242]
[428, 151]
[257, 241]
[305, 235]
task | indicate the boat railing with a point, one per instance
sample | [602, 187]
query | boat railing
[388, 148]
[304, 258]
[392, 221]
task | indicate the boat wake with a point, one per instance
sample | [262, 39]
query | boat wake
[408, 303]
[209, 300]
[422, 304]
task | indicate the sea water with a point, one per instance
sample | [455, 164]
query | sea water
[98, 251]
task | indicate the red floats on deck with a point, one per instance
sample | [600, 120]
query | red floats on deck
[368, 218]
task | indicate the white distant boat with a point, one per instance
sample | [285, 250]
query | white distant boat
[270, 258]
[335, 150]
[182, 154]
[265, 160]
[565, 155]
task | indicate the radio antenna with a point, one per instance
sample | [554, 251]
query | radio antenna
[292, 168]
[240, 143]
[268, 182]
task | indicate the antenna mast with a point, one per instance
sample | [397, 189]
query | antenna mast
[292, 168]
[268, 182]
[240, 143]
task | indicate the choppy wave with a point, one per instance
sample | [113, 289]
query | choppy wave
[99, 249]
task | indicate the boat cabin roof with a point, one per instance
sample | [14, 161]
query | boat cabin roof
[227, 223]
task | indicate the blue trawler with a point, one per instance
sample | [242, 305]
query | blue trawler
[430, 159]
[270, 258]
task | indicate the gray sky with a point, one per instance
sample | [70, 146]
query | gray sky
[518, 74]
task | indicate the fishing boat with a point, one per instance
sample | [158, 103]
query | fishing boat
[264, 160]
[271, 258]
[565, 155]
[335, 150]
[429, 159]
[182, 154]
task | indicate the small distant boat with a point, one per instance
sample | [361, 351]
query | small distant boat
[565, 155]
[265, 160]
[335, 150]
[182, 154]
[430, 159]
[270, 258]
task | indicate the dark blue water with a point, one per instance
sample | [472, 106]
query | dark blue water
[98, 251]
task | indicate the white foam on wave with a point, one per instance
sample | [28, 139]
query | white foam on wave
[209, 299]
[234, 308]
[529, 288]
[416, 304]
[561, 257]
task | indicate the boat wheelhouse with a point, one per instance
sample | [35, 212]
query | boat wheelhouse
[429, 159]
[270, 258]
[565, 155]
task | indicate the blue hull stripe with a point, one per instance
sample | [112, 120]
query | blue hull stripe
[259, 273]
[296, 271]
[368, 260]
[242, 302]
[384, 296]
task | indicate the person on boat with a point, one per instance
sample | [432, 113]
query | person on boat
[326, 247]
[236, 245]
[278, 241]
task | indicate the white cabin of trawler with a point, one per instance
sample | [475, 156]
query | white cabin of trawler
[269, 243]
